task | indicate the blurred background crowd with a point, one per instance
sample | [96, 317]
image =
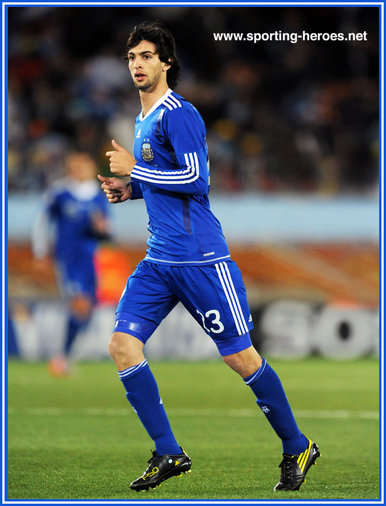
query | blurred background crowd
[280, 117]
[293, 137]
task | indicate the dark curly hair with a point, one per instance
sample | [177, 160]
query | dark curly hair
[164, 41]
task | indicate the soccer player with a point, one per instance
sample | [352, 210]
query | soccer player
[77, 210]
[187, 260]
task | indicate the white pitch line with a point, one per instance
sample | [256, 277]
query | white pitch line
[203, 412]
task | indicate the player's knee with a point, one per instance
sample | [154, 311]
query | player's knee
[81, 307]
[244, 362]
[114, 346]
[125, 350]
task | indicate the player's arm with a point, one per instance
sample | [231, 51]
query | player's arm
[119, 190]
[185, 131]
[100, 226]
[41, 236]
[40, 241]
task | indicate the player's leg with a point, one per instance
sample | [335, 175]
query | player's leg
[77, 284]
[218, 301]
[146, 295]
[271, 398]
[125, 350]
[141, 389]
[81, 289]
[299, 453]
[80, 309]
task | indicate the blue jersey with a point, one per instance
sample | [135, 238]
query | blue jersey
[172, 175]
[72, 208]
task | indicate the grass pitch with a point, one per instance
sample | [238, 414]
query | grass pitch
[78, 438]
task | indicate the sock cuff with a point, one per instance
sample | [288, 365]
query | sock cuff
[131, 371]
[256, 375]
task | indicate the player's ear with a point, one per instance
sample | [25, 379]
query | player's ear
[169, 64]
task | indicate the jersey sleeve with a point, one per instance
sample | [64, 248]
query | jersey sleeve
[136, 190]
[185, 130]
[103, 205]
[42, 228]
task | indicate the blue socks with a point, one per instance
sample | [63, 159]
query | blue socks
[142, 393]
[272, 400]
[74, 325]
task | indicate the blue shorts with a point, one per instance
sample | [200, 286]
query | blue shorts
[77, 277]
[213, 294]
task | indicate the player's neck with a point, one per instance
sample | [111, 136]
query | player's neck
[150, 97]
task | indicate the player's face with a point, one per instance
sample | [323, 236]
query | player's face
[146, 69]
[81, 166]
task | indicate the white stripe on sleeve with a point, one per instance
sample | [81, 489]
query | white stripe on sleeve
[188, 175]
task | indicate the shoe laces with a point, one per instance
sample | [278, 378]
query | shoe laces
[151, 462]
[288, 468]
[153, 455]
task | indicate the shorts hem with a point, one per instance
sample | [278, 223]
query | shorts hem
[187, 263]
[234, 344]
[125, 330]
[130, 324]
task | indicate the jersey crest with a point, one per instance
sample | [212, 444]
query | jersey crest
[147, 152]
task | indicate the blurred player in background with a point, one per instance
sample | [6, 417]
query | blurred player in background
[76, 210]
[187, 260]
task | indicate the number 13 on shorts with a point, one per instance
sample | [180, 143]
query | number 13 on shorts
[211, 321]
[219, 301]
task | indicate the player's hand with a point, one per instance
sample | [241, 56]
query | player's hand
[99, 229]
[116, 190]
[121, 161]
